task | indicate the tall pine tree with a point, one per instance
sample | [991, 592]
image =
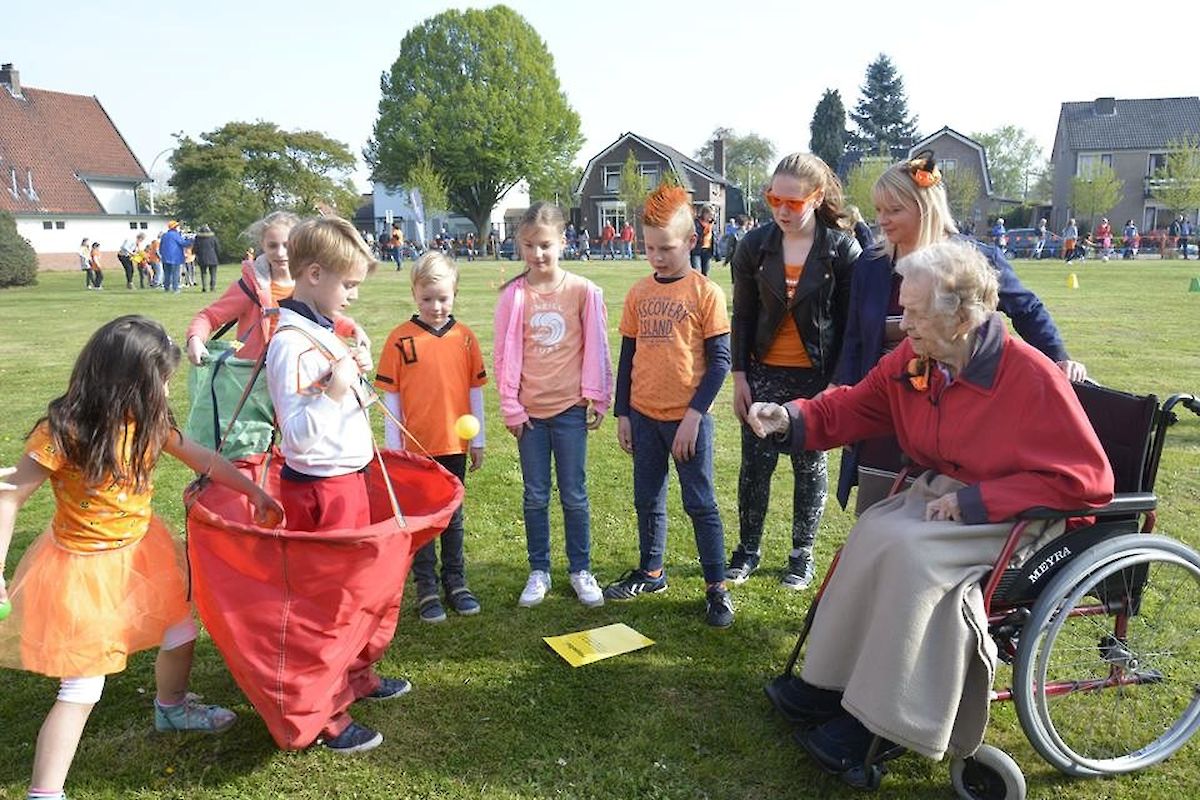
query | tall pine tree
[828, 129]
[881, 116]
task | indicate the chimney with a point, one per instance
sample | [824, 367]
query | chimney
[11, 79]
[1105, 106]
[719, 157]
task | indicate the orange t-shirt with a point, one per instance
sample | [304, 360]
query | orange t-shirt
[88, 518]
[433, 372]
[670, 322]
[552, 360]
[788, 349]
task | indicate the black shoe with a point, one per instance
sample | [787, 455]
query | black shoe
[463, 601]
[429, 609]
[633, 583]
[390, 689]
[355, 739]
[799, 572]
[742, 565]
[801, 703]
[718, 607]
[841, 745]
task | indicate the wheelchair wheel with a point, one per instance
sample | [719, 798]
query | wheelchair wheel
[990, 774]
[1107, 674]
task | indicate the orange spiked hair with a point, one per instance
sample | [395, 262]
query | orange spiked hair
[669, 208]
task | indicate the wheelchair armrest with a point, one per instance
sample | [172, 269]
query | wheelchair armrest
[1122, 504]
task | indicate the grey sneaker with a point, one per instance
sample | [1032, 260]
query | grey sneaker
[799, 572]
[718, 607]
[742, 565]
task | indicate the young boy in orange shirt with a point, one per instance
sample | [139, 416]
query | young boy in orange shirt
[431, 373]
[674, 358]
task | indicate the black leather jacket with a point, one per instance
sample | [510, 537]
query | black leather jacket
[819, 306]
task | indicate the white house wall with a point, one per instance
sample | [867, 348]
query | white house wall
[109, 231]
[115, 198]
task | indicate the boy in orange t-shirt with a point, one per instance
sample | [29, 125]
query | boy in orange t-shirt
[431, 373]
[674, 358]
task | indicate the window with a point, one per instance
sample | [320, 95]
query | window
[60, 225]
[649, 173]
[612, 213]
[947, 164]
[47, 225]
[1086, 164]
[1150, 219]
[133, 226]
[612, 178]
[144, 225]
[1155, 162]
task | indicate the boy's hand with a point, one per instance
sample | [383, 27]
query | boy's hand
[476, 458]
[625, 434]
[342, 377]
[519, 428]
[767, 419]
[684, 446]
[594, 418]
[362, 356]
[741, 395]
[267, 511]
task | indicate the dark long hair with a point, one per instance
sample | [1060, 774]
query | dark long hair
[117, 399]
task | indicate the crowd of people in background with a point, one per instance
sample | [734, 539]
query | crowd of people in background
[167, 261]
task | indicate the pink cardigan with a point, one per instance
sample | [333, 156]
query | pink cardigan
[596, 380]
[252, 325]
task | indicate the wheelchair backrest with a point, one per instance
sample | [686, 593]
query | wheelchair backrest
[1125, 425]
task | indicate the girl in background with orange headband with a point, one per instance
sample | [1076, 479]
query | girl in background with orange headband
[791, 293]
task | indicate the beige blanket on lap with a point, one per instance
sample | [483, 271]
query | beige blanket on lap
[901, 627]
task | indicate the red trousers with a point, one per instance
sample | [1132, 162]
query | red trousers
[336, 503]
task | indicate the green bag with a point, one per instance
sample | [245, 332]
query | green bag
[215, 387]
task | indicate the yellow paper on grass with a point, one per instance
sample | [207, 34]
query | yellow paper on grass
[584, 647]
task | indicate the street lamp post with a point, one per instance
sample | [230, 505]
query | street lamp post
[150, 172]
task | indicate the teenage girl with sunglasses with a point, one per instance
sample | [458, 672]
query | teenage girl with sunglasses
[791, 292]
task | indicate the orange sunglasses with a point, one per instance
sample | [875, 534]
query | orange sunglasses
[795, 206]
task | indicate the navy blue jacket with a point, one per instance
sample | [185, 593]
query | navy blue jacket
[862, 345]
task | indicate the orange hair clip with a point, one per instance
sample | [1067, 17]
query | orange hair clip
[917, 373]
[924, 170]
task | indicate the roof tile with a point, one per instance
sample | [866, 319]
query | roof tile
[1149, 124]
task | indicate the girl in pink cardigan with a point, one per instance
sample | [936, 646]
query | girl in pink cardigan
[555, 380]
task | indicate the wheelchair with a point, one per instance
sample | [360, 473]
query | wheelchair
[1101, 625]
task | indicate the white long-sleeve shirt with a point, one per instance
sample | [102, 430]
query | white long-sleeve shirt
[319, 436]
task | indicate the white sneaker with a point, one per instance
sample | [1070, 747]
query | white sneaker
[535, 589]
[586, 588]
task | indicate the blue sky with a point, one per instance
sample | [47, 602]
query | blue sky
[164, 67]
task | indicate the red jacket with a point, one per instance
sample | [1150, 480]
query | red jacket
[1009, 427]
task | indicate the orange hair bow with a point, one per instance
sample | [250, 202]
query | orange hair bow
[917, 372]
[924, 170]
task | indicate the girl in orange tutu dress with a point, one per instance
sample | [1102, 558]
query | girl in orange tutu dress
[107, 578]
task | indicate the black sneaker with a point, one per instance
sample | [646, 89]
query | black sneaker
[718, 607]
[633, 583]
[799, 572]
[841, 745]
[355, 739]
[390, 689]
[741, 565]
[801, 703]
[429, 609]
[463, 601]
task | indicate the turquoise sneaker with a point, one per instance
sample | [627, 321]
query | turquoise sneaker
[192, 715]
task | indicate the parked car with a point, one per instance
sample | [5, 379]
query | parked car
[508, 249]
[1022, 243]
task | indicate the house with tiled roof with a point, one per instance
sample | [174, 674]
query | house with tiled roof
[956, 152]
[601, 179]
[66, 172]
[1132, 137]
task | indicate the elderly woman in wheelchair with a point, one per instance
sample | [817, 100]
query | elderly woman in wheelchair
[898, 653]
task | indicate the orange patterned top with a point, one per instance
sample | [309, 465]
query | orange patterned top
[88, 519]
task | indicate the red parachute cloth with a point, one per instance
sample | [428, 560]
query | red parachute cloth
[292, 611]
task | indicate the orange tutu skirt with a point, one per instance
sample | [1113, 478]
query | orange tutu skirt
[80, 615]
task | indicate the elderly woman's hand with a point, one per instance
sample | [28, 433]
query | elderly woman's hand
[1075, 371]
[196, 351]
[944, 508]
[768, 419]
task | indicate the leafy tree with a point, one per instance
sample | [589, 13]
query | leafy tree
[632, 188]
[828, 129]
[962, 190]
[556, 187]
[18, 261]
[881, 116]
[1177, 184]
[1013, 155]
[1095, 192]
[476, 90]
[861, 182]
[432, 186]
[240, 171]
[748, 160]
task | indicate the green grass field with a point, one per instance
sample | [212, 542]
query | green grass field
[495, 714]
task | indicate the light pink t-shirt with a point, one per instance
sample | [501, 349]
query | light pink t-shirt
[552, 363]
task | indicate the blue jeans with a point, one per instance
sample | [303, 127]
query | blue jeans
[651, 448]
[170, 277]
[627, 249]
[565, 437]
[424, 565]
[700, 261]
